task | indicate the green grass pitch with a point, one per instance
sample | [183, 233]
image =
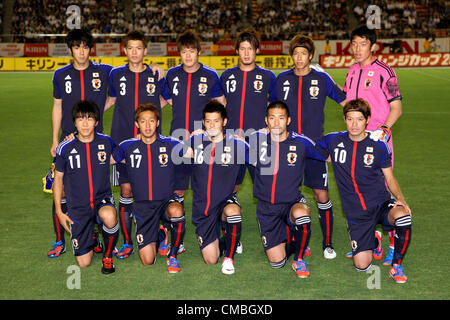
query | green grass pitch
[422, 153]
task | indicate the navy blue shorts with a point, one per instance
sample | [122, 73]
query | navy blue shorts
[120, 174]
[274, 221]
[208, 227]
[147, 215]
[362, 226]
[82, 230]
[183, 173]
[316, 174]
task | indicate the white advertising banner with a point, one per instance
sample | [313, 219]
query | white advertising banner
[11, 49]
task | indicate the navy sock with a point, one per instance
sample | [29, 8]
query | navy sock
[326, 222]
[177, 230]
[110, 236]
[402, 238]
[233, 227]
[302, 233]
[59, 229]
[126, 219]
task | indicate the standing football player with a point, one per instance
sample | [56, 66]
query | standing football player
[131, 84]
[189, 87]
[80, 80]
[151, 174]
[247, 90]
[377, 83]
[362, 168]
[84, 164]
[305, 91]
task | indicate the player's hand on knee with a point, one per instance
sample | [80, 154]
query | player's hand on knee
[403, 204]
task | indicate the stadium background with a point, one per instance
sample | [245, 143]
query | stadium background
[32, 40]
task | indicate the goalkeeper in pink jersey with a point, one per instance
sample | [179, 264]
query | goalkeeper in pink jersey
[375, 82]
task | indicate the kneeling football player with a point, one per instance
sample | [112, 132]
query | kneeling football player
[151, 170]
[363, 169]
[283, 215]
[84, 164]
[217, 160]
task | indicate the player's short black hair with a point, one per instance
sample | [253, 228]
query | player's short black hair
[364, 32]
[76, 37]
[137, 36]
[146, 107]
[215, 106]
[358, 105]
[85, 107]
[189, 39]
[277, 105]
[247, 35]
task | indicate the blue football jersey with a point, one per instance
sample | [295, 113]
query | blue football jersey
[357, 170]
[247, 94]
[215, 169]
[190, 92]
[306, 97]
[150, 167]
[73, 85]
[86, 168]
[280, 166]
[130, 90]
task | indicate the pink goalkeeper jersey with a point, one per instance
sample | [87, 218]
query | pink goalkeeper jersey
[376, 83]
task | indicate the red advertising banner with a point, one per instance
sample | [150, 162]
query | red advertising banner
[400, 60]
[172, 49]
[271, 47]
[226, 48]
[36, 50]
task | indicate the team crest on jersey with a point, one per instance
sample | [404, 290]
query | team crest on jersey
[150, 88]
[354, 245]
[140, 238]
[226, 158]
[258, 85]
[101, 156]
[163, 158]
[200, 241]
[202, 88]
[368, 159]
[96, 84]
[291, 158]
[314, 91]
[75, 243]
[264, 240]
[367, 83]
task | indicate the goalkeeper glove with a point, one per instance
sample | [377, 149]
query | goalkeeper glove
[382, 133]
[49, 178]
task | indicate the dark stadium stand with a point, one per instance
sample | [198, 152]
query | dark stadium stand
[222, 20]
